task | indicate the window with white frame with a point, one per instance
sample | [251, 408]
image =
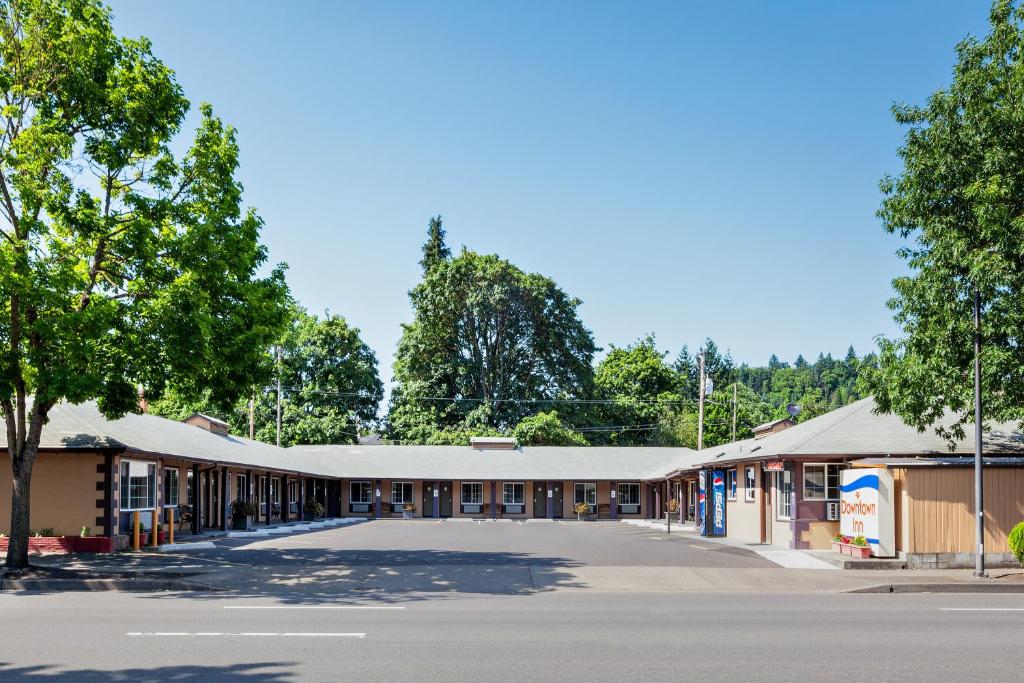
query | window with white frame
[138, 485]
[821, 482]
[585, 493]
[401, 492]
[513, 493]
[171, 487]
[784, 484]
[360, 492]
[629, 494]
[730, 480]
[472, 493]
[241, 490]
[275, 490]
[188, 487]
[750, 484]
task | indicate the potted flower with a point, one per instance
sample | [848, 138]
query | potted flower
[860, 547]
[407, 510]
[581, 509]
[313, 509]
[241, 511]
[837, 543]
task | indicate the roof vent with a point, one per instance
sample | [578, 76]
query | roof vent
[210, 424]
[492, 443]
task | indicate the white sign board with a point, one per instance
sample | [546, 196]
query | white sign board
[866, 509]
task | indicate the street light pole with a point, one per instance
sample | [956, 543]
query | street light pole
[700, 409]
[979, 486]
[278, 396]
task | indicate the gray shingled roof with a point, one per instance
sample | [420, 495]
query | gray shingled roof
[83, 427]
[465, 463]
[856, 430]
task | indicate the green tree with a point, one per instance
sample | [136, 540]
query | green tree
[121, 266]
[546, 429]
[959, 200]
[435, 250]
[642, 386]
[329, 387]
[486, 333]
[718, 413]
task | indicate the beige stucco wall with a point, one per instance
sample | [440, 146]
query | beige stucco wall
[743, 517]
[63, 493]
[781, 533]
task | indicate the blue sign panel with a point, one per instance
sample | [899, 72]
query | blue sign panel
[702, 502]
[717, 503]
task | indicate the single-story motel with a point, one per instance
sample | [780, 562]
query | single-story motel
[784, 487]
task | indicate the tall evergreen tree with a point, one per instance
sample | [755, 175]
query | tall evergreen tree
[435, 250]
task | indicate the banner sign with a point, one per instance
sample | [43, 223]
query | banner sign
[702, 502]
[717, 503]
[866, 509]
[773, 466]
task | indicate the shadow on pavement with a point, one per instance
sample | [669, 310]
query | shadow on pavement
[264, 672]
[297, 576]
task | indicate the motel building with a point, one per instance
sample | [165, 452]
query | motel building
[786, 487]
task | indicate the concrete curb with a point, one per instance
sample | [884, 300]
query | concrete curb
[99, 585]
[197, 545]
[979, 587]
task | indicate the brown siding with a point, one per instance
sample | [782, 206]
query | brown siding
[940, 509]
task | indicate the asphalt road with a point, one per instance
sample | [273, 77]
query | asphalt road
[557, 636]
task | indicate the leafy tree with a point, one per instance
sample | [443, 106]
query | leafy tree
[329, 387]
[486, 333]
[546, 429]
[642, 385]
[120, 265]
[959, 200]
[750, 412]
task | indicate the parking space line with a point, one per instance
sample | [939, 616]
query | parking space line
[982, 609]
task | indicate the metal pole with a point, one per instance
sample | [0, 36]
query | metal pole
[278, 396]
[700, 410]
[733, 411]
[979, 500]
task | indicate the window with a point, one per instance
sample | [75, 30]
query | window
[171, 487]
[401, 492]
[138, 485]
[472, 493]
[784, 484]
[275, 490]
[188, 488]
[821, 482]
[750, 490]
[513, 493]
[629, 494]
[730, 480]
[241, 490]
[361, 492]
[585, 493]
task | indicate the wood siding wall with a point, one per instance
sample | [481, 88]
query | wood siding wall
[940, 508]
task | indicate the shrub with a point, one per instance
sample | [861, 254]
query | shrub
[581, 508]
[243, 508]
[313, 507]
[1016, 542]
[86, 531]
[47, 531]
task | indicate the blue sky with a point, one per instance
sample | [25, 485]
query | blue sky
[687, 169]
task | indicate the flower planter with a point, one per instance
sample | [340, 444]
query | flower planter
[240, 523]
[859, 551]
[407, 514]
[65, 544]
[837, 547]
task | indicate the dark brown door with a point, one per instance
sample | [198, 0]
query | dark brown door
[540, 499]
[445, 506]
[556, 503]
[428, 499]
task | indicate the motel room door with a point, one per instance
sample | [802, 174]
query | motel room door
[428, 499]
[540, 499]
[446, 498]
[556, 504]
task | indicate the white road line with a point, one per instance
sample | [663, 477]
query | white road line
[982, 609]
[261, 634]
[313, 607]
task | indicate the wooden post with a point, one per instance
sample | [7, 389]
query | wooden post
[170, 525]
[136, 523]
[154, 528]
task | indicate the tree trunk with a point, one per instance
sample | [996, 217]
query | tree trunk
[17, 549]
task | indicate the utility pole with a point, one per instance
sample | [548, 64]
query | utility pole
[252, 418]
[278, 396]
[700, 404]
[733, 412]
[979, 492]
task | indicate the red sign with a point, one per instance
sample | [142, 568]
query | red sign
[773, 466]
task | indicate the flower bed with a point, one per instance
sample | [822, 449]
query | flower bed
[853, 546]
[65, 544]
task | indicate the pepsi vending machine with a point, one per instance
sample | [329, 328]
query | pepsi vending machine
[702, 502]
[717, 512]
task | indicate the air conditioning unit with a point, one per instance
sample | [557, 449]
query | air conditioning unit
[832, 511]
